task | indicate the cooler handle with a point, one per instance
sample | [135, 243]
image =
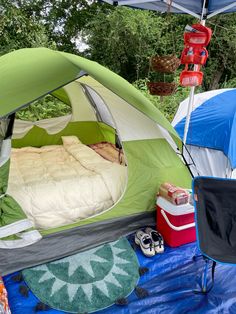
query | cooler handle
[179, 228]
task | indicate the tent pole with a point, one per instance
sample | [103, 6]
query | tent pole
[191, 100]
[223, 9]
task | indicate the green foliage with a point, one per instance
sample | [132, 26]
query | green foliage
[124, 39]
[168, 105]
[120, 38]
[161, 77]
[45, 108]
[221, 65]
[17, 30]
[63, 19]
[229, 83]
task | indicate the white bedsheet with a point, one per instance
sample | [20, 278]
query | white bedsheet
[60, 184]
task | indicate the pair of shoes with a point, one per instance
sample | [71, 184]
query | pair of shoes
[157, 239]
[150, 241]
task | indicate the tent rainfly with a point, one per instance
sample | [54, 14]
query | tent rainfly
[211, 139]
[105, 108]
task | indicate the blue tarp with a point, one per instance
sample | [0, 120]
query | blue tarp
[170, 282]
[213, 125]
[194, 6]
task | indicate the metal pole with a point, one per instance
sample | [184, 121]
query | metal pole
[190, 108]
[204, 279]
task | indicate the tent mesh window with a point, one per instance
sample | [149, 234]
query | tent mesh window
[46, 107]
[102, 112]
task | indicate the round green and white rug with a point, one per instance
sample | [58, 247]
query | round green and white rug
[88, 281]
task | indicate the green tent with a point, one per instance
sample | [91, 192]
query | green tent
[105, 108]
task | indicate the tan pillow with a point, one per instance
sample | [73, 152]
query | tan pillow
[70, 140]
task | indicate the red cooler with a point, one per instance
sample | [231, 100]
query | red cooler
[175, 222]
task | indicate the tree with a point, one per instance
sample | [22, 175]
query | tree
[125, 39]
[221, 65]
[63, 19]
[120, 38]
[17, 30]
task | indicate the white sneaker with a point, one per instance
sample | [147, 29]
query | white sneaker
[146, 244]
[157, 239]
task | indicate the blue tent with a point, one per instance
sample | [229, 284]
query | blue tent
[212, 131]
[198, 8]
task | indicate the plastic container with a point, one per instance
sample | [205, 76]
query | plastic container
[191, 78]
[187, 58]
[200, 38]
[175, 222]
[199, 56]
[196, 39]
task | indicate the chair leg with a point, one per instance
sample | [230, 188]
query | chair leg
[204, 277]
[205, 288]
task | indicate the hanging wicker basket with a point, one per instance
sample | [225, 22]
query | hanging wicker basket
[164, 64]
[162, 88]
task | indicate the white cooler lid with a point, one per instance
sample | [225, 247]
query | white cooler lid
[172, 209]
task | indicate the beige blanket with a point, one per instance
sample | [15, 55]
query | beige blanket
[60, 184]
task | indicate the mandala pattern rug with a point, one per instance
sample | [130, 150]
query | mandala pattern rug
[88, 281]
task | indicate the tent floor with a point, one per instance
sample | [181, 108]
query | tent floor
[171, 279]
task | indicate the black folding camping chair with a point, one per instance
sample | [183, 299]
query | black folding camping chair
[215, 207]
